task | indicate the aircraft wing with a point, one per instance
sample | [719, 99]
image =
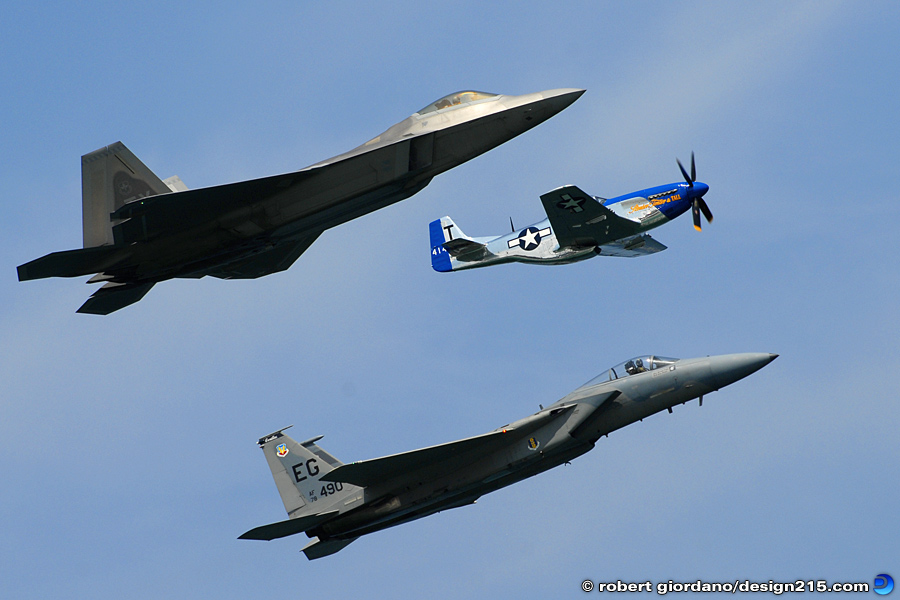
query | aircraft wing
[640, 245]
[183, 210]
[322, 194]
[579, 220]
[407, 465]
[379, 470]
[273, 260]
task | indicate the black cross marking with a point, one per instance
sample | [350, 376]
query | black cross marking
[571, 204]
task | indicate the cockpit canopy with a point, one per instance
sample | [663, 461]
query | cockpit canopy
[633, 366]
[456, 99]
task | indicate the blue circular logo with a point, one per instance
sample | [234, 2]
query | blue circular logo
[884, 584]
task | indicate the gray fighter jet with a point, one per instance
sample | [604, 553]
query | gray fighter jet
[335, 503]
[140, 230]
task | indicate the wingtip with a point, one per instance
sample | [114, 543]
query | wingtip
[256, 534]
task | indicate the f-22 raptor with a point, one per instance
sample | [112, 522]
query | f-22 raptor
[578, 226]
[335, 503]
[140, 230]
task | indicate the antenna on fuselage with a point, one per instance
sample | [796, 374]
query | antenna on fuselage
[512, 227]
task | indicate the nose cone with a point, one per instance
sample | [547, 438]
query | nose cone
[728, 368]
[557, 100]
[566, 95]
[541, 106]
[700, 188]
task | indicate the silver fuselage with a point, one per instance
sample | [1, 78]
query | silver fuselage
[139, 230]
[389, 168]
[548, 251]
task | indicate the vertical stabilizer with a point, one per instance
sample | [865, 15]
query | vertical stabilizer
[445, 230]
[441, 231]
[440, 260]
[450, 246]
[110, 178]
[297, 469]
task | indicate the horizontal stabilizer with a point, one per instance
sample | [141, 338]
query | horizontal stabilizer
[113, 296]
[448, 240]
[281, 529]
[319, 548]
[274, 260]
[73, 263]
[466, 250]
[175, 184]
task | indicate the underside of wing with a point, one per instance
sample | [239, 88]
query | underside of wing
[640, 245]
[579, 220]
[276, 259]
[113, 296]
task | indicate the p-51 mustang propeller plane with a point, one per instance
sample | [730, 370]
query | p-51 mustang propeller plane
[578, 226]
[140, 230]
[335, 503]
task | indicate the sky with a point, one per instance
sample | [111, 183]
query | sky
[128, 442]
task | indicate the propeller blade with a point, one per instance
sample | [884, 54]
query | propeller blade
[683, 172]
[693, 170]
[695, 212]
[703, 207]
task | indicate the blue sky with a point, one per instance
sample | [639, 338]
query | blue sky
[127, 442]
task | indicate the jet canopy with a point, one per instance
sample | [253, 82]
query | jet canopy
[633, 366]
[456, 99]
